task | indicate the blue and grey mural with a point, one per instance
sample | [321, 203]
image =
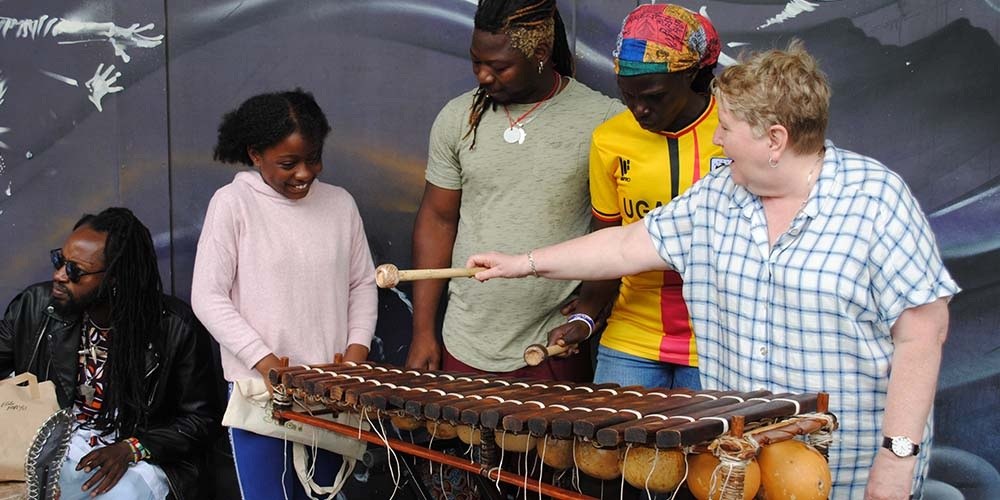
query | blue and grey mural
[115, 102]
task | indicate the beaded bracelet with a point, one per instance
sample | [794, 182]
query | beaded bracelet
[584, 318]
[139, 452]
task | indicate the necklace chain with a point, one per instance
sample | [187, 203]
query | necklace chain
[809, 181]
[95, 325]
[517, 122]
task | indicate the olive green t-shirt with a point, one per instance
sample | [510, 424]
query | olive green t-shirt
[515, 197]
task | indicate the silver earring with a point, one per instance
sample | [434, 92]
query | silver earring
[771, 163]
[541, 66]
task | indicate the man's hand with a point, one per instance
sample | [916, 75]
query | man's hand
[425, 353]
[111, 463]
[891, 477]
[570, 334]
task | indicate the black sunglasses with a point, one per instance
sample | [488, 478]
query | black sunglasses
[73, 271]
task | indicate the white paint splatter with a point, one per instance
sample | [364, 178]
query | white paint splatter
[10, 188]
[27, 28]
[402, 297]
[102, 84]
[733, 45]
[724, 59]
[792, 9]
[3, 130]
[119, 37]
[56, 76]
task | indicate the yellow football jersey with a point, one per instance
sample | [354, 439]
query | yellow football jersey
[633, 171]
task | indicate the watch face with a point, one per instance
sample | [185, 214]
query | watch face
[902, 446]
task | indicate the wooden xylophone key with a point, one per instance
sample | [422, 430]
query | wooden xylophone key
[453, 410]
[351, 392]
[274, 374]
[606, 407]
[450, 407]
[296, 375]
[615, 434]
[644, 430]
[333, 387]
[388, 397]
[587, 423]
[308, 380]
[485, 381]
[709, 427]
[303, 384]
[537, 422]
[397, 394]
[491, 416]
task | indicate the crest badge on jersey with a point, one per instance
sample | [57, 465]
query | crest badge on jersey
[717, 162]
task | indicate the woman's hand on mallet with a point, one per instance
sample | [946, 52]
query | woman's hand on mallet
[500, 265]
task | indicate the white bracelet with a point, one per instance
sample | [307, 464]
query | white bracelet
[531, 263]
[583, 318]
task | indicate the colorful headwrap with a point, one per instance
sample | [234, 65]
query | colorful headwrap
[664, 38]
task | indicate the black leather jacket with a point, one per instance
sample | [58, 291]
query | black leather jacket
[184, 410]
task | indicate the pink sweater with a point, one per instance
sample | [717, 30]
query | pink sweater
[273, 275]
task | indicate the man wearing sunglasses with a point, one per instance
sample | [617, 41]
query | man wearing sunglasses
[134, 364]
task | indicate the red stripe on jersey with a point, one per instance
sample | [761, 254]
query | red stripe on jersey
[697, 157]
[606, 217]
[675, 346]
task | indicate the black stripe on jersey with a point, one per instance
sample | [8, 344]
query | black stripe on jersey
[675, 167]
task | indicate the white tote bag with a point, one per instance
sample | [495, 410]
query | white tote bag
[249, 409]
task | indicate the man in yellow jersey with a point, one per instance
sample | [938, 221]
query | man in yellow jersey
[640, 159]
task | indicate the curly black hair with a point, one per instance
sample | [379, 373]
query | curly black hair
[267, 119]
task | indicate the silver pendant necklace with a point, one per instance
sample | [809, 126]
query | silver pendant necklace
[514, 134]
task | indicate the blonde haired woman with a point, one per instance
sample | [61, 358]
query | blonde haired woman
[806, 268]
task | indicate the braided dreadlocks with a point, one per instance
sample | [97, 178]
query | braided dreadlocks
[134, 292]
[527, 23]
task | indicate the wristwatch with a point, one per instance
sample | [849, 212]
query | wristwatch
[901, 446]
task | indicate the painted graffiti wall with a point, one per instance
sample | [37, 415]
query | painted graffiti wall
[116, 102]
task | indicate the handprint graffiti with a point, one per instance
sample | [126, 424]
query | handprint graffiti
[107, 79]
[102, 84]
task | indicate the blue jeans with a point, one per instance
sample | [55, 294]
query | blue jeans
[626, 369]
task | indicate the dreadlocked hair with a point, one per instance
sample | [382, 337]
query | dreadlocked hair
[264, 120]
[135, 296]
[520, 19]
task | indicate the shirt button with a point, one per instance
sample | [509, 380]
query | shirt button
[763, 351]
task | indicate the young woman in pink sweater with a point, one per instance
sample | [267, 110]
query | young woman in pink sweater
[283, 267]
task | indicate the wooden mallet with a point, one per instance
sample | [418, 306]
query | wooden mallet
[536, 354]
[388, 275]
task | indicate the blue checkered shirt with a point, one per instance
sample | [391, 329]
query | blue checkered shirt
[813, 312]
